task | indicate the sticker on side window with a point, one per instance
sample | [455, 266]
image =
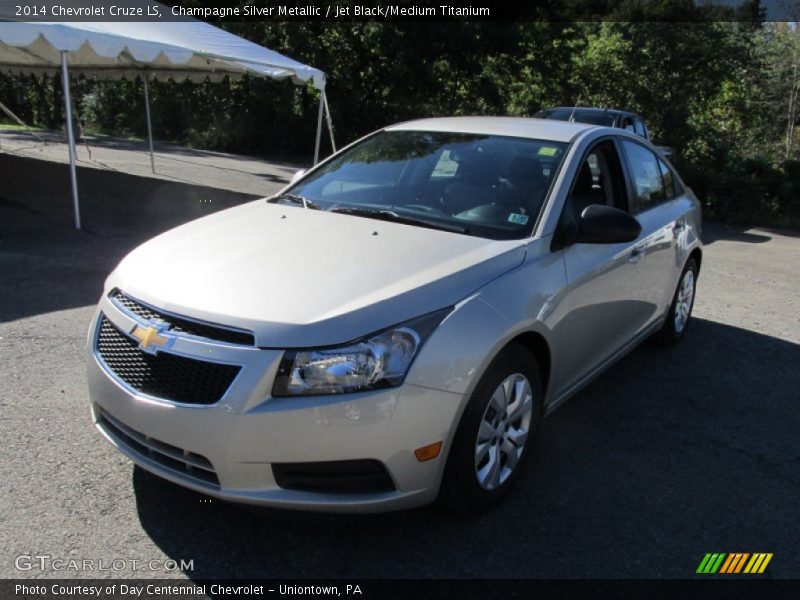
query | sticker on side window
[517, 218]
[548, 151]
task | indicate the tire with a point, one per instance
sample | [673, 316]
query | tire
[675, 326]
[461, 489]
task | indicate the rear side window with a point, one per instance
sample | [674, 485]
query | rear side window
[669, 180]
[639, 128]
[627, 124]
[648, 182]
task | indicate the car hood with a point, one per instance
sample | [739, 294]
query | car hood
[298, 277]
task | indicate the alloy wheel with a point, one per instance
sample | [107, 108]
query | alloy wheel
[503, 431]
[683, 304]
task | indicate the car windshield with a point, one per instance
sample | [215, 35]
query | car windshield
[590, 117]
[482, 185]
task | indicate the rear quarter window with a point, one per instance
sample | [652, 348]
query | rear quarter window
[669, 179]
[645, 170]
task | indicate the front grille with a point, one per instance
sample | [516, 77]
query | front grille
[349, 476]
[162, 375]
[171, 457]
[182, 325]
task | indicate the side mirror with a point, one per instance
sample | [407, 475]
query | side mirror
[297, 176]
[600, 224]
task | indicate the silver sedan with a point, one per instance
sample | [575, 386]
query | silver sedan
[393, 326]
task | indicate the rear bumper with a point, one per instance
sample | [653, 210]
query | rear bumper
[227, 449]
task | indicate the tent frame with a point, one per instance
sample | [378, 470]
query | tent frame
[65, 84]
[170, 50]
[149, 123]
[324, 110]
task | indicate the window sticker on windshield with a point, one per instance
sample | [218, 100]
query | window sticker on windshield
[547, 151]
[518, 218]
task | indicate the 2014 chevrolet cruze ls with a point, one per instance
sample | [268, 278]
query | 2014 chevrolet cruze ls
[393, 326]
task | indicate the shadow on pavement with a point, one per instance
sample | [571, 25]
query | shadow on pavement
[714, 231]
[668, 455]
[39, 247]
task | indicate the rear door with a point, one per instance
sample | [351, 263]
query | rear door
[659, 204]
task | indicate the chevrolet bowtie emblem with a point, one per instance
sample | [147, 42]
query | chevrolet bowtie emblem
[151, 339]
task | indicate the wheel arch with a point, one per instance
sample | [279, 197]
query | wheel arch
[697, 255]
[538, 346]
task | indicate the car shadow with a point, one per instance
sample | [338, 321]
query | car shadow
[714, 231]
[670, 453]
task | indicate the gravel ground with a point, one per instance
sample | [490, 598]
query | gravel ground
[669, 455]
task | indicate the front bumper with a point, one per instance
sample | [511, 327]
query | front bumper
[239, 438]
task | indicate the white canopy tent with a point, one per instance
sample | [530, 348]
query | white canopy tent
[176, 49]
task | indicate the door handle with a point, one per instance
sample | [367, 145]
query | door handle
[636, 254]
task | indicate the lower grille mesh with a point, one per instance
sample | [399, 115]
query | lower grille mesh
[185, 462]
[162, 375]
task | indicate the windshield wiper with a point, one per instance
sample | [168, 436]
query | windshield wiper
[295, 199]
[390, 215]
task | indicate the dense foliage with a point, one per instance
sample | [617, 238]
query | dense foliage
[724, 94]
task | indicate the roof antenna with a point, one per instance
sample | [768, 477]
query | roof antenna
[574, 108]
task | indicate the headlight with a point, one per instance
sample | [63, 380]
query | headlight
[377, 361]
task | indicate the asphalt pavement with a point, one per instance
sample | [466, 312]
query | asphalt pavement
[667, 456]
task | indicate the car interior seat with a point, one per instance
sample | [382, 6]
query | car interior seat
[474, 184]
[525, 183]
[584, 193]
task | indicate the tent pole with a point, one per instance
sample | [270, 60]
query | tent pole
[328, 119]
[149, 124]
[70, 138]
[319, 129]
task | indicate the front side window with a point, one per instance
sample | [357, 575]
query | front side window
[482, 185]
[599, 181]
[645, 170]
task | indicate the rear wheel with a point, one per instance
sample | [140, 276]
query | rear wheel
[495, 435]
[681, 308]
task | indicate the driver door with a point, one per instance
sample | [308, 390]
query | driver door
[605, 301]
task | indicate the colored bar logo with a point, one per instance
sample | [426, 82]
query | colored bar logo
[734, 563]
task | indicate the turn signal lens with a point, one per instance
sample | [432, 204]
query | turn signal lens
[428, 452]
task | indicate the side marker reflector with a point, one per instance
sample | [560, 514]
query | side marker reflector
[428, 452]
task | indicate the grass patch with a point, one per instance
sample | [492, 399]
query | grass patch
[6, 126]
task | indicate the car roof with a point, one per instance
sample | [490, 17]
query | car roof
[592, 109]
[523, 127]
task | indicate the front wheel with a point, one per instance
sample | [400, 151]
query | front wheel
[495, 435]
[680, 310]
